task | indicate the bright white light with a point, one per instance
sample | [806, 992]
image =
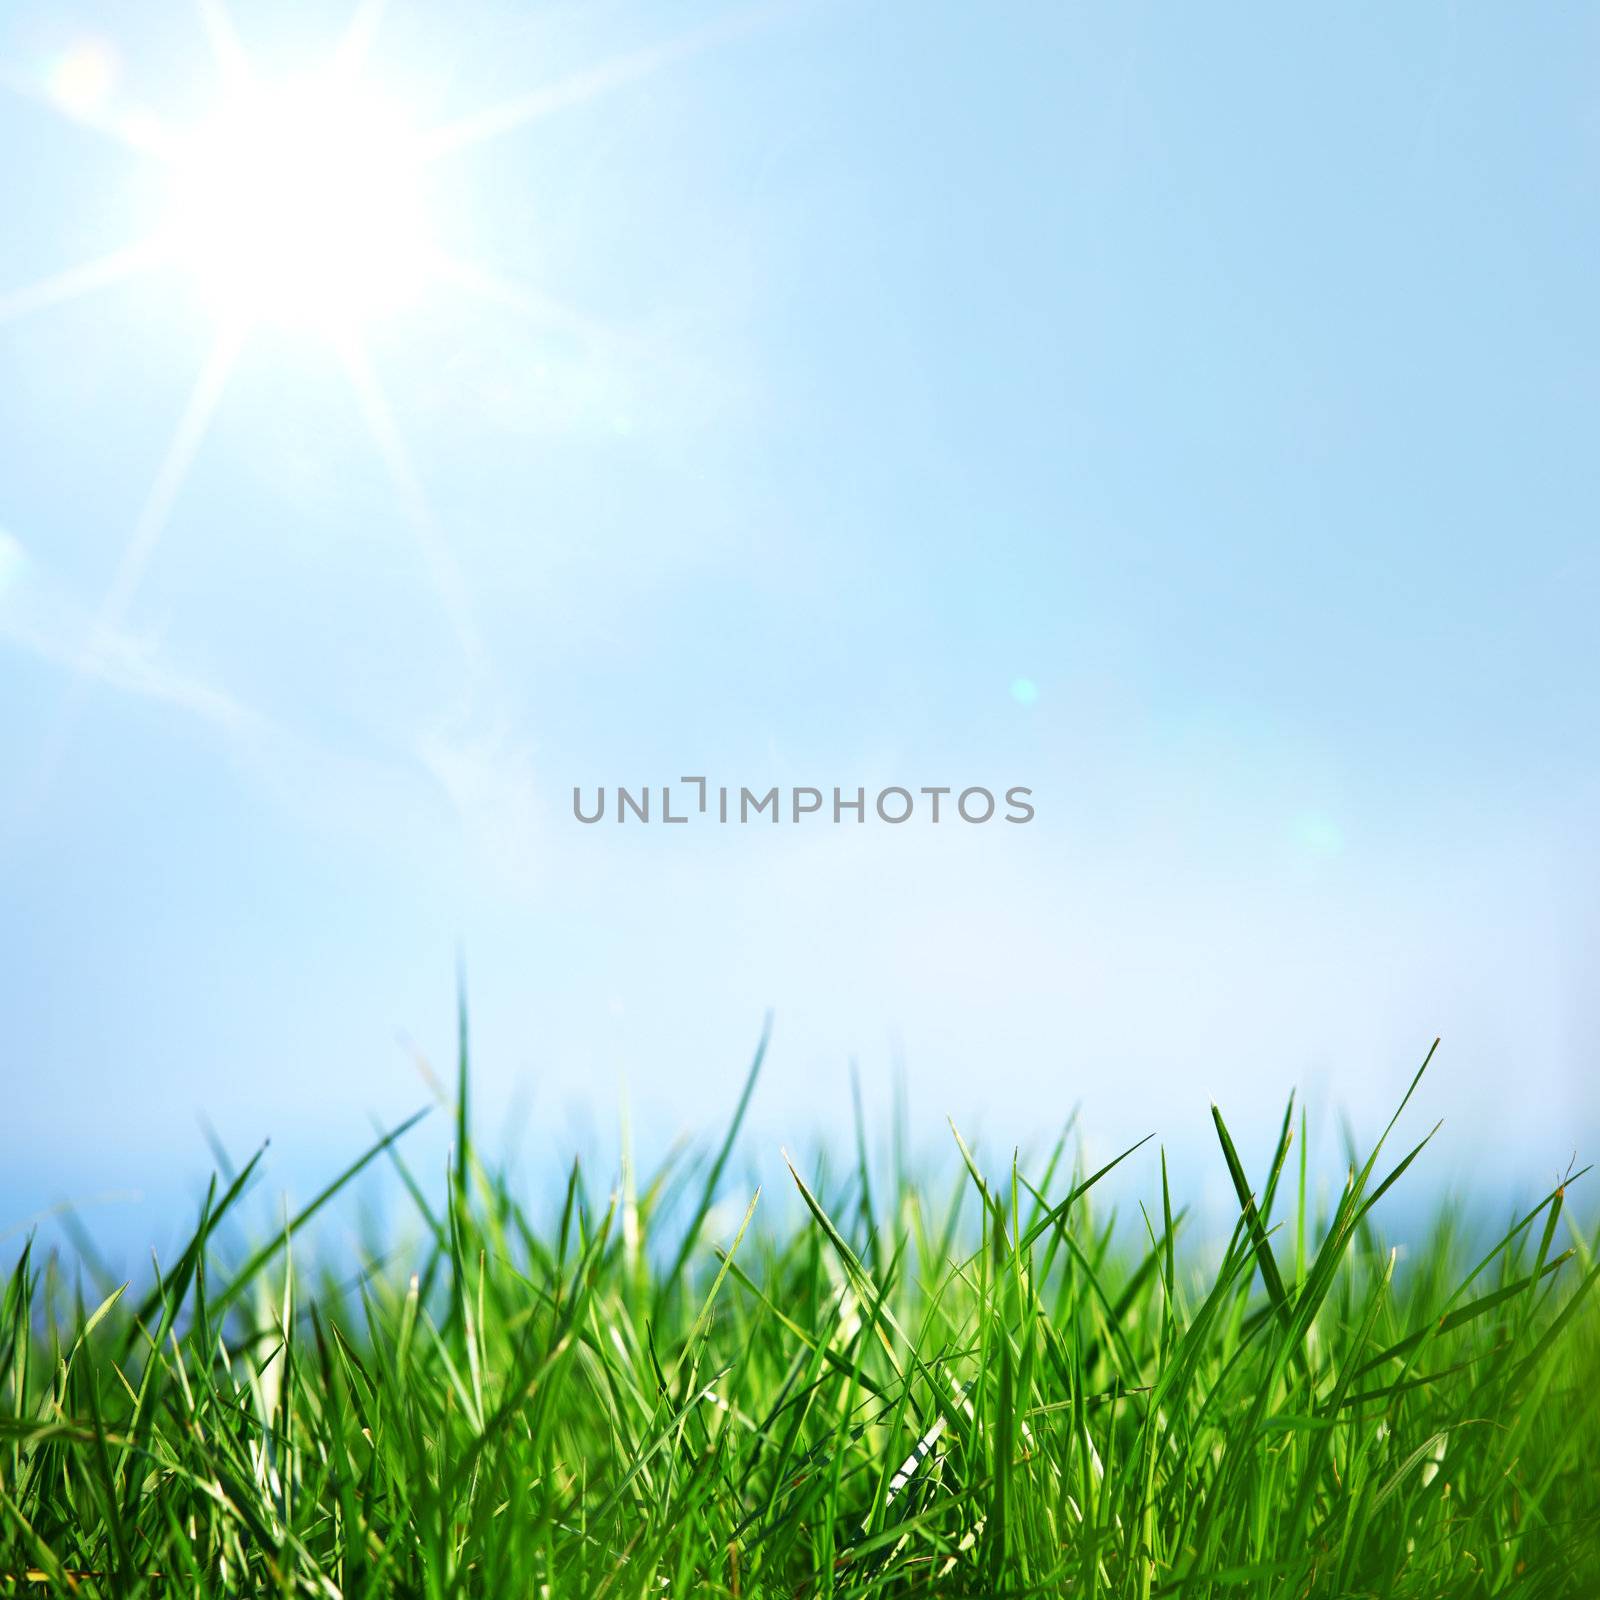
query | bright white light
[302, 205]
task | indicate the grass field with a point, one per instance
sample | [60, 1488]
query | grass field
[984, 1385]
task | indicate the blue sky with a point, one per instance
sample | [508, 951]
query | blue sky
[823, 370]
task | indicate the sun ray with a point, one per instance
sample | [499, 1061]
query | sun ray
[223, 38]
[86, 278]
[579, 88]
[352, 51]
[505, 294]
[163, 496]
[443, 572]
[151, 524]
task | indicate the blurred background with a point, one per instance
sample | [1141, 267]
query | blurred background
[1186, 414]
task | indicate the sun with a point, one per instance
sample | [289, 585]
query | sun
[302, 204]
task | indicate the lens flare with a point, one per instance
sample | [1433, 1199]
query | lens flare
[82, 78]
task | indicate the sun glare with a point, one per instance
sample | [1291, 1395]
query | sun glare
[299, 205]
[302, 204]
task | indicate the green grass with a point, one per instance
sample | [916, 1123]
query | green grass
[985, 1386]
